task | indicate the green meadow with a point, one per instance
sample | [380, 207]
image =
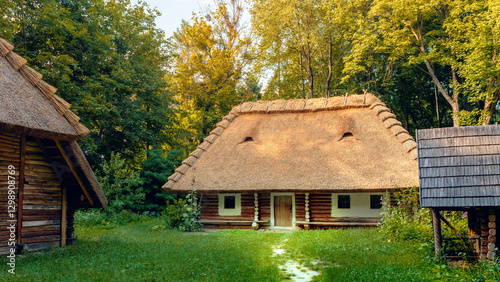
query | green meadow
[142, 252]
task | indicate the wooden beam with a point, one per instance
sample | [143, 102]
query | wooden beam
[68, 161]
[20, 192]
[451, 227]
[63, 217]
[436, 227]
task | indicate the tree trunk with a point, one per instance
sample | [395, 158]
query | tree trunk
[310, 75]
[490, 106]
[328, 79]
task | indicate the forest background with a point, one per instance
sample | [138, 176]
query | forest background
[149, 100]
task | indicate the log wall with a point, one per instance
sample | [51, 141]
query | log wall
[320, 208]
[41, 222]
[10, 154]
[39, 194]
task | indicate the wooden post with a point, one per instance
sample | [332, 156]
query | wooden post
[255, 224]
[20, 195]
[492, 238]
[436, 227]
[306, 226]
[63, 217]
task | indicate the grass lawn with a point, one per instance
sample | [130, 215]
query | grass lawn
[136, 252]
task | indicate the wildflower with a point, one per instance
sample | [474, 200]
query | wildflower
[464, 215]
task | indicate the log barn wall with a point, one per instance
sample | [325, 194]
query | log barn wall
[40, 194]
[10, 154]
[41, 219]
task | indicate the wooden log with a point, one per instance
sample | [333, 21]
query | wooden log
[20, 195]
[436, 226]
[40, 223]
[63, 218]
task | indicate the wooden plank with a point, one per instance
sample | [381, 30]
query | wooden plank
[20, 193]
[40, 223]
[473, 140]
[70, 164]
[448, 171]
[460, 151]
[63, 218]
[465, 181]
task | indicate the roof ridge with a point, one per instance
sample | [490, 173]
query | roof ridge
[18, 63]
[390, 122]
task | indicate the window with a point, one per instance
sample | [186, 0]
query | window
[230, 204]
[344, 201]
[375, 202]
[347, 136]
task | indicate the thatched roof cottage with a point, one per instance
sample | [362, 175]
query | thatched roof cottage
[316, 162]
[42, 168]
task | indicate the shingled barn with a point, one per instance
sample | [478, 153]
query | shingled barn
[41, 165]
[460, 171]
[323, 162]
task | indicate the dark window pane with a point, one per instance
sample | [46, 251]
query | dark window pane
[229, 202]
[344, 201]
[375, 202]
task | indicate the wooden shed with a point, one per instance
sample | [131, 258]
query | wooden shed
[460, 170]
[323, 162]
[44, 174]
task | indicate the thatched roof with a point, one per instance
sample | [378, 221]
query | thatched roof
[303, 145]
[29, 105]
[86, 174]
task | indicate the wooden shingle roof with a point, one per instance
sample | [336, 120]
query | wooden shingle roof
[459, 166]
[299, 145]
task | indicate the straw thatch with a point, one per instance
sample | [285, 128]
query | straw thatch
[29, 105]
[320, 144]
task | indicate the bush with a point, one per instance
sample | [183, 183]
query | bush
[406, 220]
[107, 218]
[184, 214]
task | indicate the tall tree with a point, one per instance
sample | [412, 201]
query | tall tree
[107, 58]
[212, 54]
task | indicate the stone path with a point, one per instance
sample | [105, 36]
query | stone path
[295, 271]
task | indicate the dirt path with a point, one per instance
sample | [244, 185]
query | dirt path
[294, 270]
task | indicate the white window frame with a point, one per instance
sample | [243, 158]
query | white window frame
[237, 205]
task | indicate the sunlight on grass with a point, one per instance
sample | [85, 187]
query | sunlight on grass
[358, 255]
[134, 252]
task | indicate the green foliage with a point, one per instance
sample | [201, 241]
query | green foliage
[108, 60]
[184, 214]
[106, 219]
[154, 173]
[405, 220]
[121, 185]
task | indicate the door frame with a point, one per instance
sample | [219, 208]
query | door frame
[293, 207]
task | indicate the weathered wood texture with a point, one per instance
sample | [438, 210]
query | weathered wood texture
[10, 154]
[42, 200]
[459, 167]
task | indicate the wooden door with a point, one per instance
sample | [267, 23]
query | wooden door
[283, 211]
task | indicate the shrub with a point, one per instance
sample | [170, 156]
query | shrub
[184, 214]
[405, 220]
[107, 218]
